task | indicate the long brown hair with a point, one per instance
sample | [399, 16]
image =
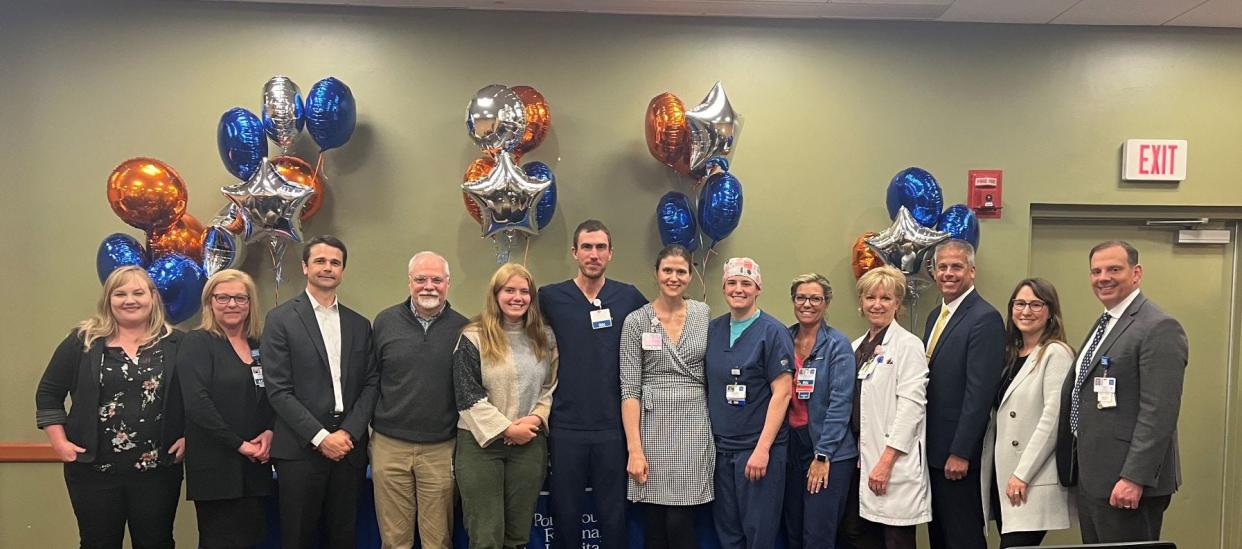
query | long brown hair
[493, 345]
[103, 325]
[1054, 330]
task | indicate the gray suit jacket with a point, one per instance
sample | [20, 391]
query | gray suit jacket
[1137, 439]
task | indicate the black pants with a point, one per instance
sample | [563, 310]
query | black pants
[957, 511]
[1103, 523]
[578, 457]
[105, 503]
[315, 491]
[231, 523]
[859, 533]
[670, 527]
[1012, 539]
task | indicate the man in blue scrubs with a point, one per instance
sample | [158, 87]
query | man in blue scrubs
[586, 437]
[749, 365]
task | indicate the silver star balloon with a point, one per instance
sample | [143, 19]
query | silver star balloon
[507, 197]
[271, 204]
[907, 245]
[712, 125]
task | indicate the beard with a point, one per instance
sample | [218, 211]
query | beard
[428, 302]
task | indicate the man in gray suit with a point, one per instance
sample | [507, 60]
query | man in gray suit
[1118, 431]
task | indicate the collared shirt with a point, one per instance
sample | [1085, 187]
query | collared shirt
[953, 305]
[426, 321]
[1114, 314]
[329, 319]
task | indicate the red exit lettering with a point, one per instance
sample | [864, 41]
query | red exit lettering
[1157, 159]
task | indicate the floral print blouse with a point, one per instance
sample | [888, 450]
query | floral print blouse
[130, 409]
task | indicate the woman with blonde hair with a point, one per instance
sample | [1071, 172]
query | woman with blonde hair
[504, 373]
[121, 441]
[229, 427]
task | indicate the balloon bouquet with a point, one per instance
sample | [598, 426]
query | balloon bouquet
[696, 143]
[915, 204]
[275, 196]
[148, 194]
[507, 122]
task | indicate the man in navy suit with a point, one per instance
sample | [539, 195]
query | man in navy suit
[965, 339]
[322, 384]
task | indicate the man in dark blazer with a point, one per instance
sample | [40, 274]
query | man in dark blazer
[1117, 438]
[965, 339]
[321, 382]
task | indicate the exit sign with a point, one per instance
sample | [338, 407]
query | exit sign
[1154, 160]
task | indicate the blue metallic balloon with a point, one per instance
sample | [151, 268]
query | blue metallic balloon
[720, 161]
[962, 223]
[180, 282]
[675, 219]
[330, 113]
[547, 205]
[118, 250]
[242, 142]
[720, 205]
[918, 191]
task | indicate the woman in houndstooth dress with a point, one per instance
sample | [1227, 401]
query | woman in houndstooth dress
[664, 405]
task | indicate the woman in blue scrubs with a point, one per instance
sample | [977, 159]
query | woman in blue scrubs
[749, 363]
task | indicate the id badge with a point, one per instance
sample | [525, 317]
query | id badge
[1105, 392]
[652, 341]
[805, 383]
[868, 368]
[735, 394]
[601, 318]
[257, 373]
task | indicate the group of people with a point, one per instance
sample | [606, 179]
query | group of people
[790, 431]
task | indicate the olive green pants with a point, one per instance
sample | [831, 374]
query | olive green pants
[499, 486]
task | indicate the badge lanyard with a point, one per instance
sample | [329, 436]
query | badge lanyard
[1105, 387]
[652, 341]
[600, 317]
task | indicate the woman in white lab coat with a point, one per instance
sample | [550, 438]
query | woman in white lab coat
[893, 493]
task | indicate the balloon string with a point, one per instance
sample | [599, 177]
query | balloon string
[318, 167]
[526, 254]
[706, 258]
[275, 266]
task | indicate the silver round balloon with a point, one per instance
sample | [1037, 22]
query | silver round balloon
[224, 243]
[283, 114]
[496, 119]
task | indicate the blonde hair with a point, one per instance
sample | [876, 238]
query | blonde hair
[103, 325]
[493, 345]
[886, 277]
[252, 326]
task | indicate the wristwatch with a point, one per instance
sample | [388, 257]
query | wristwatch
[822, 458]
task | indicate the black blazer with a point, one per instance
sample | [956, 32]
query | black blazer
[223, 408]
[965, 372]
[75, 373]
[299, 382]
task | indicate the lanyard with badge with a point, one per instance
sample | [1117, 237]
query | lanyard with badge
[1105, 387]
[869, 367]
[600, 317]
[805, 382]
[652, 341]
[256, 368]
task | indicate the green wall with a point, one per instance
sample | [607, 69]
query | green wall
[832, 110]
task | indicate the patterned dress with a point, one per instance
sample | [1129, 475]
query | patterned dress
[671, 387]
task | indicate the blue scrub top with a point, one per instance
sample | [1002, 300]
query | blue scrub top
[588, 390]
[763, 352]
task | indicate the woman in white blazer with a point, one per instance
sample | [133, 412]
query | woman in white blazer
[888, 421]
[1019, 476]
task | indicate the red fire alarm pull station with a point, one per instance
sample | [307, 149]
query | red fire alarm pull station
[984, 193]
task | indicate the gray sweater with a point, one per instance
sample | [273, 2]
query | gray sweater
[416, 374]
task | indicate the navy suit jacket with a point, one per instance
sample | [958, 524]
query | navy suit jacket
[965, 372]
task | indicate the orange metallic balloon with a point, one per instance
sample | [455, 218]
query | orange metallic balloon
[146, 193]
[538, 118]
[477, 170]
[667, 134]
[296, 170]
[184, 236]
[864, 258]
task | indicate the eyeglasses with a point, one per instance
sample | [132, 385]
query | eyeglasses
[812, 299]
[224, 299]
[1034, 306]
[420, 280]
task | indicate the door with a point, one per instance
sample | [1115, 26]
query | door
[1196, 284]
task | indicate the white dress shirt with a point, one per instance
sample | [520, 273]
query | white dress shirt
[1114, 314]
[953, 305]
[329, 320]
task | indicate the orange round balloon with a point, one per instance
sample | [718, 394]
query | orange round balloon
[184, 236]
[666, 131]
[864, 258]
[477, 170]
[296, 170]
[146, 193]
[538, 118]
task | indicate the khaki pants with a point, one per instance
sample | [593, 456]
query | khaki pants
[413, 479]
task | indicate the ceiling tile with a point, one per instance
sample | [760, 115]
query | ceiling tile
[1125, 12]
[1213, 13]
[1006, 11]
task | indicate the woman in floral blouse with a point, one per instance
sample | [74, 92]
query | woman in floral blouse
[122, 439]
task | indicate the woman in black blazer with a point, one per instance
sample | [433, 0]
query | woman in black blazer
[121, 440]
[229, 432]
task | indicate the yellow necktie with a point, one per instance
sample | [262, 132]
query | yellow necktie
[940, 321]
